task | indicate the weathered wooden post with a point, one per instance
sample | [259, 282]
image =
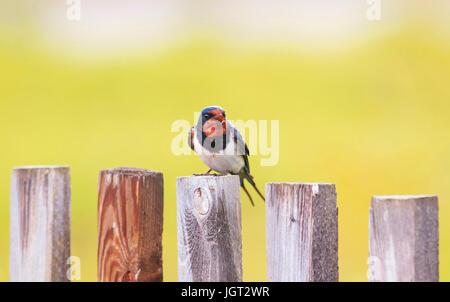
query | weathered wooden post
[301, 232]
[404, 238]
[130, 224]
[209, 228]
[40, 224]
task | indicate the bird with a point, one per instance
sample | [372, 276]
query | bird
[221, 147]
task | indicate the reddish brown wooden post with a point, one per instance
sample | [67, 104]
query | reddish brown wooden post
[130, 222]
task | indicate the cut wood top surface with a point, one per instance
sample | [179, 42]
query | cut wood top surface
[402, 197]
[131, 171]
[204, 176]
[299, 183]
[39, 167]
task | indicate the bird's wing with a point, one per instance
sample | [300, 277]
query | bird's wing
[191, 138]
[241, 147]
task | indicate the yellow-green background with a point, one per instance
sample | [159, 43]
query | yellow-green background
[372, 117]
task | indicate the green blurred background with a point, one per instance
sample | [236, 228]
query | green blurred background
[365, 105]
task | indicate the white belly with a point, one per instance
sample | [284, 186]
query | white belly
[220, 161]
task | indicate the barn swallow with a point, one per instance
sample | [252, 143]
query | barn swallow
[221, 147]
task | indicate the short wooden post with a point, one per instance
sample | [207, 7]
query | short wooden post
[209, 228]
[404, 238]
[301, 232]
[130, 224]
[40, 224]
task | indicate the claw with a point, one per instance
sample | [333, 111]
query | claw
[204, 174]
[208, 173]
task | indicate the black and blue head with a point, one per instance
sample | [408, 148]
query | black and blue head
[213, 121]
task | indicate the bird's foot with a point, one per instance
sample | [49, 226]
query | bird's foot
[208, 173]
[205, 174]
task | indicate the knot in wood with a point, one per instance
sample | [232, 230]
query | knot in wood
[129, 277]
[202, 200]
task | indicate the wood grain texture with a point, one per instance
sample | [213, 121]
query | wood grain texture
[301, 232]
[209, 228]
[404, 238]
[130, 224]
[39, 224]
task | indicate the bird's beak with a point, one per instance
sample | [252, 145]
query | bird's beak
[215, 126]
[218, 117]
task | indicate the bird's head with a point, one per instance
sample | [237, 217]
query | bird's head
[213, 121]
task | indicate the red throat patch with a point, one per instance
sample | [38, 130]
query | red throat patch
[215, 126]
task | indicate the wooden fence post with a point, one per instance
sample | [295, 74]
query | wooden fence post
[302, 232]
[404, 238]
[130, 223]
[209, 228]
[40, 224]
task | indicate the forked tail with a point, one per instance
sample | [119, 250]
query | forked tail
[249, 178]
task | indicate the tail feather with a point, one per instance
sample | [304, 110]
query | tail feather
[252, 182]
[248, 194]
[249, 178]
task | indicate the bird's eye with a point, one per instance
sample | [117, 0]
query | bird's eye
[206, 116]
